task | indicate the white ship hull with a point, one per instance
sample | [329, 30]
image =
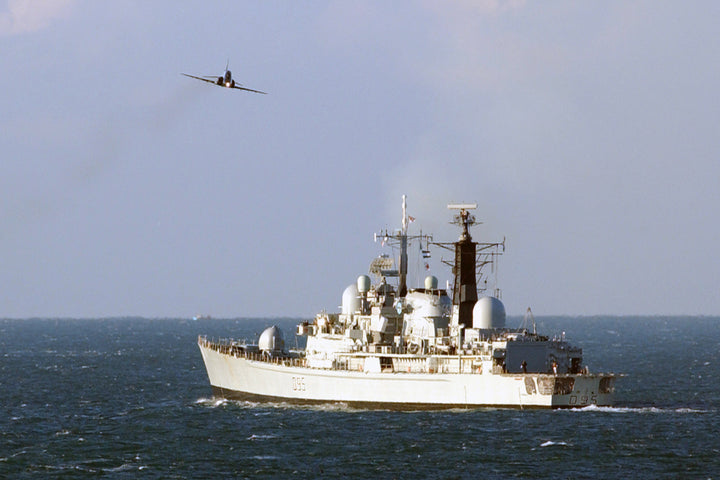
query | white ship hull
[239, 377]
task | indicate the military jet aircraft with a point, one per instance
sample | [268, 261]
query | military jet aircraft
[225, 81]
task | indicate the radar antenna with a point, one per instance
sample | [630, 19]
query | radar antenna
[464, 219]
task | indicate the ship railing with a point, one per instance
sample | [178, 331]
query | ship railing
[237, 349]
[425, 344]
[400, 363]
[443, 364]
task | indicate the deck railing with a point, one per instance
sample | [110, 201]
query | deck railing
[465, 364]
[237, 349]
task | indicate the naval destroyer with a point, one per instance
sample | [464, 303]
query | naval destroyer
[396, 347]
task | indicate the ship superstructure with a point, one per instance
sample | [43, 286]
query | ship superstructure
[392, 346]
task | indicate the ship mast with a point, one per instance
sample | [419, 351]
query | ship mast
[402, 285]
[401, 238]
[467, 266]
[465, 284]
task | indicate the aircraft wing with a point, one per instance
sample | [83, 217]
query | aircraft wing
[249, 89]
[200, 78]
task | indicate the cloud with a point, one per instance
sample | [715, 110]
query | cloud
[27, 16]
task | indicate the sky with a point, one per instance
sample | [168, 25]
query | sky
[588, 133]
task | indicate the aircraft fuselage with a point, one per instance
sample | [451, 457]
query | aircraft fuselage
[226, 80]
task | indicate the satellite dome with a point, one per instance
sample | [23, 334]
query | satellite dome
[489, 312]
[431, 282]
[363, 284]
[351, 300]
[271, 340]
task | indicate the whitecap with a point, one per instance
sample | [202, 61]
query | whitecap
[320, 407]
[211, 402]
[689, 410]
[595, 408]
[121, 468]
[16, 454]
[550, 443]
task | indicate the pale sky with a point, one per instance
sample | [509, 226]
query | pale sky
[587, 132]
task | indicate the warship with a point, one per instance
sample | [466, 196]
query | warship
[394, 347]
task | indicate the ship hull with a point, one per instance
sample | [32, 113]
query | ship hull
[239, 377]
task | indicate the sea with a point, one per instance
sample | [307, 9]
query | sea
[130, 398]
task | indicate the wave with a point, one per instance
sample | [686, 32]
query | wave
[124, 468]
[89, 466]
[550, 443]
[595, 408]
[262, 407]
[211, 402]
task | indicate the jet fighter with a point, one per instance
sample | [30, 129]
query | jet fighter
[225, 81]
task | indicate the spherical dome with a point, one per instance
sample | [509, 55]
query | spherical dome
[431, 282]
[489, 312]
[351, 300]
[271, 340]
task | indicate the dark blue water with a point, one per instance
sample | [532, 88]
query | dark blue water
[129, 398]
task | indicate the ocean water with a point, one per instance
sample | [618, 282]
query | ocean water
[129, 398]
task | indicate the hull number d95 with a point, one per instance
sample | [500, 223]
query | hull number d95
[298, 384]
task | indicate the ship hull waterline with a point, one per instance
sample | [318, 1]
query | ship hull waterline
[239, 378]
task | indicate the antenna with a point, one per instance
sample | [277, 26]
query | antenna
[464, 218]
[404, 214]
[529, 318]
[462, 206]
